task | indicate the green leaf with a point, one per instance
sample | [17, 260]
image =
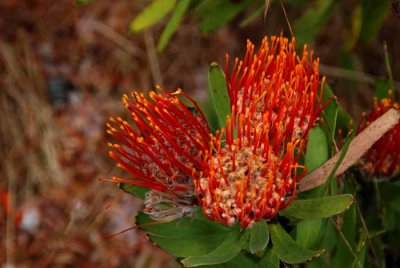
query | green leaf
[269, 260]
[136, 191]
[308, 232]
[259, 237]
[186, 236]
[373, 16]
[335, 116]
[241, 260]
[342, 154]
[218, 93]
[382, 87]
[214, 14]
[287, 249]
[318, 208]
[388, 68]
[311, 22]
[344, 254]
[152, 14]
[173, 24]
[225, 252]
[317, 151]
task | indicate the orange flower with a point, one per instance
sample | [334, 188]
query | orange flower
[161, 150]
[274, 102]
[383, 158]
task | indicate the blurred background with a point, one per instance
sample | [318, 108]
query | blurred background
[64, 65]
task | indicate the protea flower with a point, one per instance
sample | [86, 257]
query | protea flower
[383, 158]
[275, 100]
[161, 150]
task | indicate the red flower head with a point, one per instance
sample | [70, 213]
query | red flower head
[383, 158]
[274, 102]
[161, 149]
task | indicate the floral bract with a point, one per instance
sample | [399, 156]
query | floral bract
[252, 167]
[383, 158]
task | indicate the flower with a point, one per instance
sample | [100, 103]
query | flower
[161, 150]
[383, 158]
[252, 165]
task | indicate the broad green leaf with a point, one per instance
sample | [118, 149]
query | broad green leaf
[360, 251]
[373, 16]
[307, 27]
[218, 93]
[287, 249]
[214, 14]
[317, 151]
[331, 111]
[172, 24]
[382, 87]
[318, 208]
[136, 191]
[186, 236]
[259, 237]
[247, 260]
[269, 260]
[342, 154]
[241, 260]
[308, 232]
[152, 14]
[225, 252]
[344, 256]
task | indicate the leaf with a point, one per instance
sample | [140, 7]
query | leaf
[308, 26]
[373, 16]
[335, 116]
[317, 149]
[172, 24]
[225, 252]
[318, 208]
[339, 161]
[259, 237]
[354, 33]
[344, 254]
[241, 260]
[214, 14]
[269, 260]
[382, 87]
[388, 68]
[186, 236]
[136, 191]
[152, 14]
[287, 249]
[219, 93]
[308, 232]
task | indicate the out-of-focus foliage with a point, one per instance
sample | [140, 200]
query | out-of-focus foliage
[367, 16]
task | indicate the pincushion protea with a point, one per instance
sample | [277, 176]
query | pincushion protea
[275, 100]
[245, 171]
[383, 158]
[161, 150]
